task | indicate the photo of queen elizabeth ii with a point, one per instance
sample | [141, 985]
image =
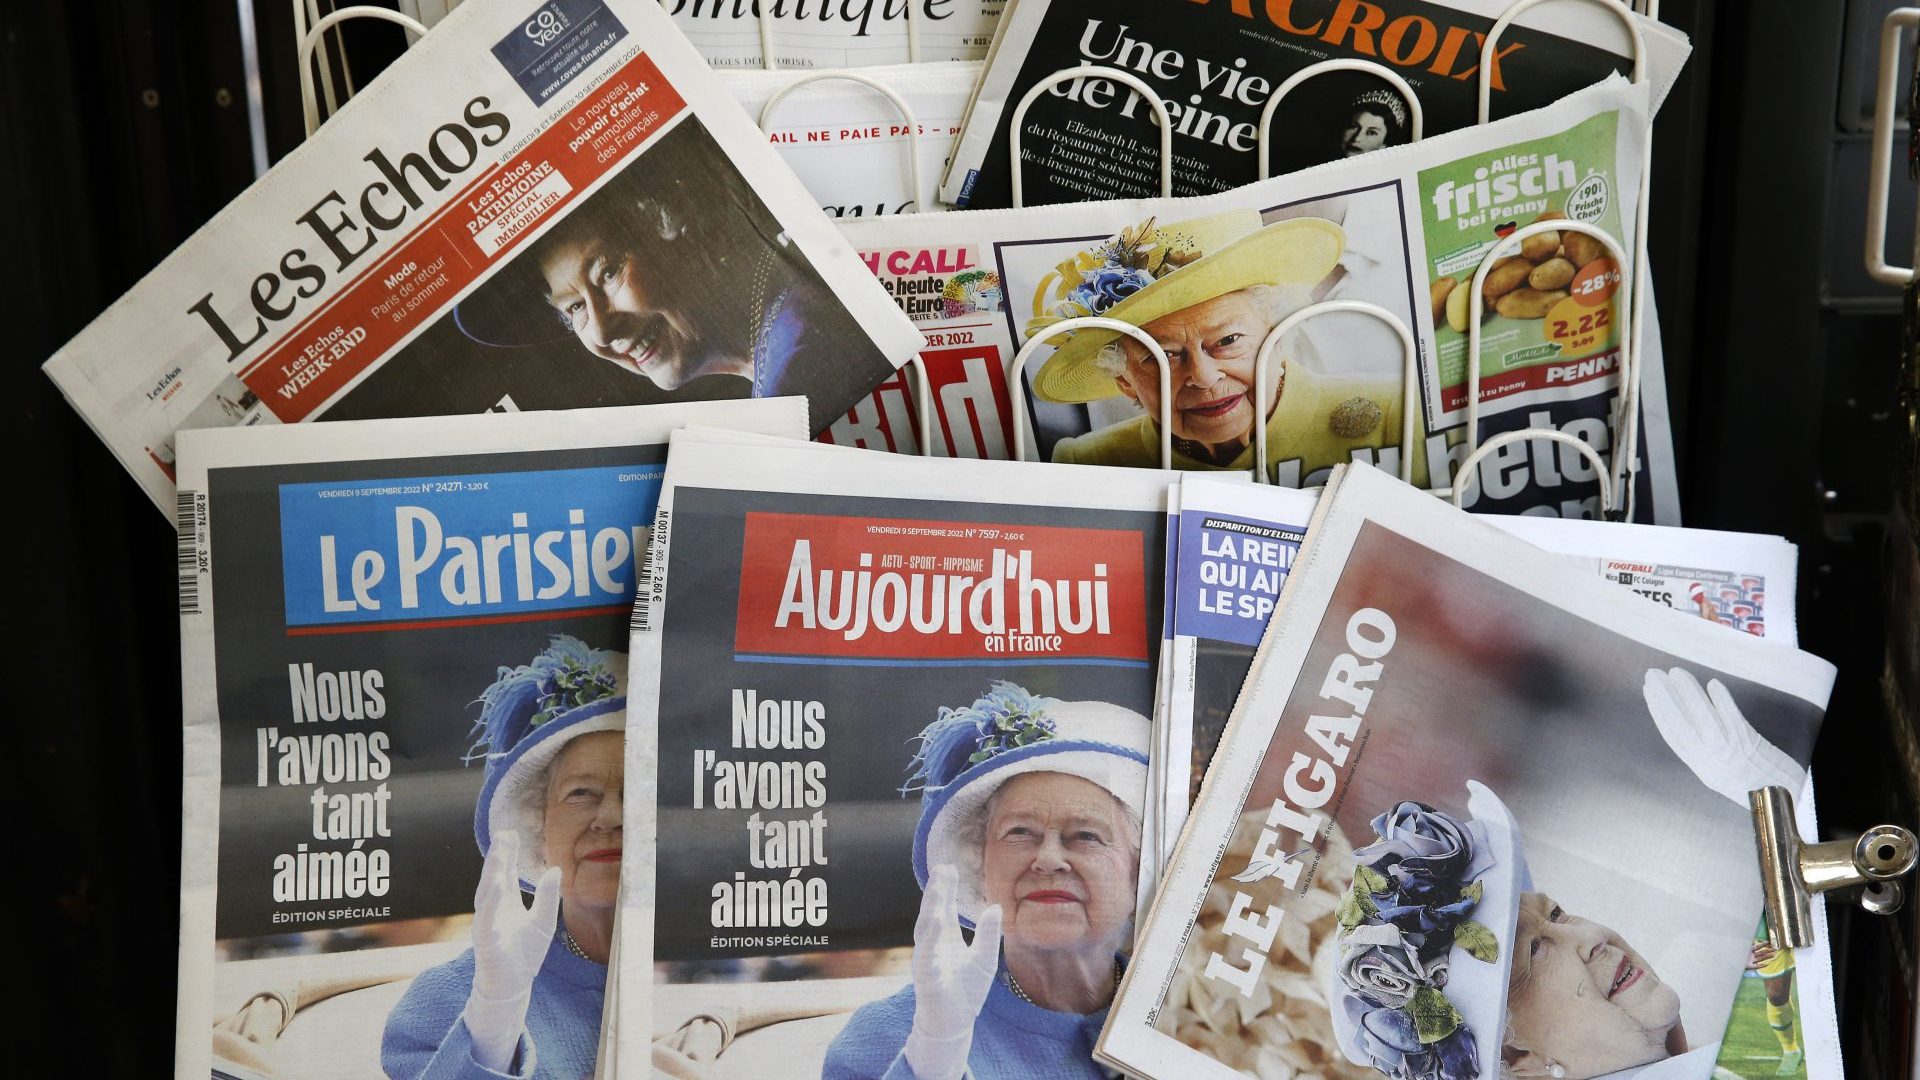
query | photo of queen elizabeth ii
[1454, 965]
[526, 999]
[1029, 837]
[1209, 291]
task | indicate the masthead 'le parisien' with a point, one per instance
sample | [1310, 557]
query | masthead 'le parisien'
[536, 567]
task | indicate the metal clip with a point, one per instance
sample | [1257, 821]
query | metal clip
[1791, 872]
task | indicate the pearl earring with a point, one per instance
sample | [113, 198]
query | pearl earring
[1558, 1071]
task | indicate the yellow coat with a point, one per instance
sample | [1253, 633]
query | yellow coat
[1319, 421]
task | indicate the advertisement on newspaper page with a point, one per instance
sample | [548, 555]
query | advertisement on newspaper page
[1210, 278]
[1438, 836]
[1217, 65]
[540, 206]
[404, 659]
[875, 697]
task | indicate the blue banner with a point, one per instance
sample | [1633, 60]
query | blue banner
[1231, 570]
[478, 547]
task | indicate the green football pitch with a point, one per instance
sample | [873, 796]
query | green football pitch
[1750, 1050]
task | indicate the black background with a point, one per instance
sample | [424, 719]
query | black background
[123, 127]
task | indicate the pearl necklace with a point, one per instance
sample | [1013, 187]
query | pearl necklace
[1014, 984]
[573, 946]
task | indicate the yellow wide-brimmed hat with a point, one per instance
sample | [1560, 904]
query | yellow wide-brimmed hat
[1151, 270]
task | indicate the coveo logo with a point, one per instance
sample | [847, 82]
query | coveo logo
[550, 23]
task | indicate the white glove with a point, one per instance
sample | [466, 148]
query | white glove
[950, 978]
[510, 943]
[1706, 729]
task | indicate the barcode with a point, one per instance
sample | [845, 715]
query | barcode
[652, 573]
[186, 521]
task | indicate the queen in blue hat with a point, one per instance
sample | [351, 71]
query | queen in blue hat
[1029, 835]
[526, 1000]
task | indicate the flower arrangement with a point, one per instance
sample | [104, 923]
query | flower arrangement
[1102, 276]
[1409, 906]
[1005, 718]
[566, 676]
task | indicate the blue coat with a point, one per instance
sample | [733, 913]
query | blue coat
[1011, 1038]
[426, 1039]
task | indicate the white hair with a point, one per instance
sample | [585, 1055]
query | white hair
[1271, 302]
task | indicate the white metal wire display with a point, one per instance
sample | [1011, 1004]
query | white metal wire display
[1409, 377]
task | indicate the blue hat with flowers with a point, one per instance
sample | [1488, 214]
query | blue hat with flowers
[968, 752]
[1420, 989]
[527, 717]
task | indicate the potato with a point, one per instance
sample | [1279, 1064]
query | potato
[1551, 275]
[1457, 307]
[1581, 249]
[1507, 275]
[1540, 246]
[1529, 303]
[1440, 291]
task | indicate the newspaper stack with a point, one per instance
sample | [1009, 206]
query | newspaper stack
[404, 659]
[1403, 229]
[877, 689]
[1441, 830]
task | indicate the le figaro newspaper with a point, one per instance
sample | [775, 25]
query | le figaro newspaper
[861, 681]
[1439, 838]
[1216, 65]
[404, 664]
[542, 205]
[1236, 544]
[1402, 228]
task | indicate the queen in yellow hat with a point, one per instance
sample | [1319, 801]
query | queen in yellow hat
[1209, 290]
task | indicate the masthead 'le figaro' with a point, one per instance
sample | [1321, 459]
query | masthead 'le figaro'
[1309, 784]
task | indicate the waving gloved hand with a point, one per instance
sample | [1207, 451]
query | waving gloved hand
[950, 978]
[1706, 729]
[510, 943]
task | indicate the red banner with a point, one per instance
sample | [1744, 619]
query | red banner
[477, 229]
[931, 590]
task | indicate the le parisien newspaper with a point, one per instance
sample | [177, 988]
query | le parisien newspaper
[853, 666]
[1237, 543]
[1217, 63]
[399, 639]
[1438, 838]
[1403, 228]
[542, 205]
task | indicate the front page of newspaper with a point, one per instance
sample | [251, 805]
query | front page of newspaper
[1239, 540]
[542, 205]
[1216, 65]
[1394, 228]
[820, 34]
[397, 637]
[861, 680]
[1473, 812]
